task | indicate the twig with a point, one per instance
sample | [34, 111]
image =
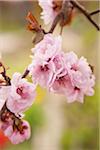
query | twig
[85, 12]
[25, 73]
[94, 12]
[55, 22]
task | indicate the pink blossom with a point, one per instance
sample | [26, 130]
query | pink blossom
[48, 14]
[19, 136]
[22, 94]
[48, 47]
[58, 62]
[80, 74]
[16, 135]
[60, 82]
[63, 85]
[75, 80]
[47, 60]
[42, 72]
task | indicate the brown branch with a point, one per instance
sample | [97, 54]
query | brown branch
[85, 13]
[26, 72]
[6, 114]
[3, 73]
[55, 22]
[94, 12]
[64, 16]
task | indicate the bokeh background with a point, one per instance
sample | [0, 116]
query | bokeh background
[55, 124]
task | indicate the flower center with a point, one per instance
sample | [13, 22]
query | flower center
[76, 89]
[74, 67]
[44, 68]
[20, 90]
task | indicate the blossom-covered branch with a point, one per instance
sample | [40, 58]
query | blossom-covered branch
[51, 68]
[15, 98]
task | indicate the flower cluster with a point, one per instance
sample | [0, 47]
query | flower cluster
[59, 72]
[51, 68]
[17, 97]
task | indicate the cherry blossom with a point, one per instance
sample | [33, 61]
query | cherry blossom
[17, 135]
[44, 64]
[22, 94]
[42, 72]
[80, 73]
[76, 80]
[48, 47]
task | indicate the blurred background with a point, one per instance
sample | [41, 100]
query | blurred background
[55, 124]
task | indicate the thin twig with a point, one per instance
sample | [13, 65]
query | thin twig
[94, 12]
[26, 72]
[55, 22]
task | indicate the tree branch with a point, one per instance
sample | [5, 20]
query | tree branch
[85, 13]
[55, 22]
